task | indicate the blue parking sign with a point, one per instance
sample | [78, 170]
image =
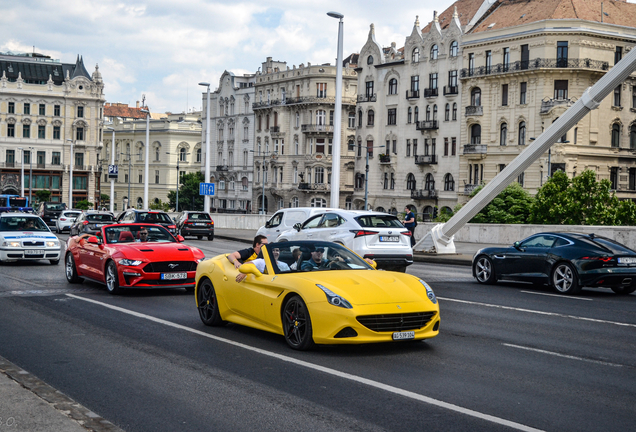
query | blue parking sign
[206, 189]
[113, 171]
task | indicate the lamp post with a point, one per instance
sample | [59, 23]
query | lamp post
[176, 206]
[147, 156]
[22, 174]
[112, 180]
[335, 161]
[263, 182]
[206, 198]
[30, 173]
[70, 181]
[366, 177]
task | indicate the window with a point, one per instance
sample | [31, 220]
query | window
[562, 54]
[319, 202]
[393, 86]
[452, 78]
[80, 111]
[632, 179]
[415, 55]
[475, 134]
[56, 158]
[415, 83]
[352, 120]
[79, 159]
[453, 146]
[11, 108]
[614, 177]
[370, 118]
[428, 112]
[56, 132]
[618, 54]
[454, 111]
[392, 185]
[454, 49]
[56, 110]
[370, 148]
[504, 94]
[488, 61]
[360, 118]
[447, 113]
[42, 109]
[370, 60]
[520, 179]
[506, 58]
[409, 116]
[417, 114]
[392, 116]
[429, 182]
[321, 90]
[471, 63]
[576, 133]
[321, 116]
[523, 88]
[10, 157]
[525, 56]
[385, 182]
[617, 96]
[26, 131]
[414, 147]
[561, 89]
[449, 182]
[156, 176]
[369, 89]
[320, 145]
[408, 147]
[41, 132]
[26, 108]
[411, 184]
[616, 135]
[434, 52]
[632, 137]
[198, 152]
[634, 97]
[503, 134]
[445, 146]
[522, 133]
[432, 81]
[475, 97]
[182, 155]
[26, 156]
[79, 134]
[434, 112]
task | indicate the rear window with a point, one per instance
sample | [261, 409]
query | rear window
[155, 218]
[199, 216]
[100, 218]
[616, 248]
[71, 214]
[55, 207]
[379, 221]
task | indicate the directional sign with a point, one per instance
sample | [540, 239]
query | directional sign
[206, 189]
[113, 171]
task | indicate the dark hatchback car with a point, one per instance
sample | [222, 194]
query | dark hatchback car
[50, 211]
[193, 223]
[148, 216]
[91, 222]
[565, 261]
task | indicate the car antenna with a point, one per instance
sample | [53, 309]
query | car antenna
[592, 235]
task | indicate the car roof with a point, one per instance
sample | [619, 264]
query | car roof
[19, 214]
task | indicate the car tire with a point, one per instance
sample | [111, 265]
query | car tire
[208, 304]
[564, 279]
[211, 237]
[112, 278]
[624, 290]
[484, 270]
[71, 269]
[297, 324]
[54, 262]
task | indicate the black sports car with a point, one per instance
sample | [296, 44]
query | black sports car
[565, 261]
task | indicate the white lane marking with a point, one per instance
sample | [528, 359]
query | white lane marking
[539, 312]
[562, 355]
[334, 372]
[557, 295]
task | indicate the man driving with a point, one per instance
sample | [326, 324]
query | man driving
[143, 235]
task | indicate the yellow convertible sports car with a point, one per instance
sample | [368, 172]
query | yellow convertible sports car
[316, 293]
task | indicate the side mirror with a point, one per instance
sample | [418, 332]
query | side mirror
[267, 224]
[298, 226]
[248, 268]
[180, 238]
[517, 245]
[93, 240]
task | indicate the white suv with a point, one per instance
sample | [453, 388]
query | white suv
[285, 219]
[375, 235]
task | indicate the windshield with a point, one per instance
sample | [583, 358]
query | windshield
[379, 221]
[155, 218]
[22, 223]
[55, 207]
[138, 234]
[100, 218]
[302, 256]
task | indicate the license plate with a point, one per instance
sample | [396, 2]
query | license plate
[199, 224]
[404, 335]
[173, 276]
[389, 238]
[626, 260]
[33, 252]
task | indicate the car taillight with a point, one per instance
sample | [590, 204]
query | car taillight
[85, 222]
[62, 219]
[597, 258]
[360, 233]
[172, 226]
[406, 233]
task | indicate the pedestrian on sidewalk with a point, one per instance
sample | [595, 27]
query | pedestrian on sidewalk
[409, 223]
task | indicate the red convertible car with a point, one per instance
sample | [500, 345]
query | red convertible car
[132, 256]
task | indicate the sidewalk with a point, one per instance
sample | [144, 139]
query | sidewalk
[464, 255]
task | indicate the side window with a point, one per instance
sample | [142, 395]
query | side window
[540, 241]
[276, 220]
[560, 242]
[313, 222]
[330, 220]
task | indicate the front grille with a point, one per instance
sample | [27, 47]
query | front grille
[164, 266]
[33, 243]
[396, 322]
[160, 282]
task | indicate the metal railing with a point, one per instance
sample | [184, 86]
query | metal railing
[427, 125]
[425, 159]
[313, 186]
[431, 92]
[451, 90]
[469, 188]
[316, 128]
[385, 158]
[475, 149]
[547, 105]
[423, 193]
[475, 110]
[222, 168]
[412, 94]
[274, 129]
[538, 63]
[367, 98]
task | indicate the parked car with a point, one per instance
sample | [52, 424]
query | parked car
[90, 222]
[375, 235]
[25, 237]
[285, 219]
[565, 261]
[121, 257]
[148, 216]
[50, 211]
[66, 220]
[340, 300]
[194, 223]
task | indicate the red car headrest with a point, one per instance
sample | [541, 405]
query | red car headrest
[126, 236]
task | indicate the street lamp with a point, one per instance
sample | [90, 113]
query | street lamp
[112, 180]
[366, 177]
[70, 181]
[30, 173]
[22, 175]
[335, 161]
[206, 198]
[147, 157]
[263, 182]
[176, 206]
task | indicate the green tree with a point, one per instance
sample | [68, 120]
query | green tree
[189, 198]
[161, 206]
[83, 205]
[104, 198]
[511, 206]
[626, 213]
[42, 196]
[549, 206]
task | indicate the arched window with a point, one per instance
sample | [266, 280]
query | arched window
[632, 137]
[385, 181]
[380, 209]
[182, 154]
[370, 118]
[447, 113]
[522, 133]
[503, 134]
[360, 118]
[348, 205]
[454, 111]
[417, 115]
[427, 214]
[411, 184]
[410, 115]
[616, 135]
[428, 112]
[140, 203]
[370, 60]
[429, 182]
[415, 56]
[393, 86]
[198, 155]
[475, 97]
[475, 134]
[434, 51]
[449, 182]
[454, 49]
[434, 112]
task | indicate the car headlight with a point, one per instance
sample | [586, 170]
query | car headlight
[128, 262]
[429, 292]
[52, 244]
[334, 298]
[11, 243]
[199, 260]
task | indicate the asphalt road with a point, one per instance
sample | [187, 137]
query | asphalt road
[508, 357]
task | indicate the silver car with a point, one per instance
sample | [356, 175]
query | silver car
[66, 219]
[375, 235]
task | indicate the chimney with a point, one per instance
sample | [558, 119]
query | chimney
[137, 104]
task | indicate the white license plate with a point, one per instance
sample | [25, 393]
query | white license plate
[389, 238]
[404, 335]
[626, 260]
[34, 252]
[173, 276]
[199, 224]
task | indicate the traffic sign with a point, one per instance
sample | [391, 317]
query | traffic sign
[206, 189]
[113, 171]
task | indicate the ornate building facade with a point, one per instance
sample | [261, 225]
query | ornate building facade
[44, 105]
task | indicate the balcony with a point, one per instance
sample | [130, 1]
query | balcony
[427, 125]
[474, 110]
[431, 92]
[265, 104]
[538, 63]
[451, 90]
[420, 194]
[274, 129]
[412, 94]
[313, 186]
[475, 149]
[470, 188]
[312, 128]
[321, 100]
[547, 105]
[367, 98]
[8, 164]
[425, 159]
[41, 165]
[385, 158]
[222, 168]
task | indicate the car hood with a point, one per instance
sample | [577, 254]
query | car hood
[158, 251]
[368, 287]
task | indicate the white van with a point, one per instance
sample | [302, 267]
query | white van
[285, 219]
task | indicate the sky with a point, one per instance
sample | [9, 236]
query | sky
[162, 49]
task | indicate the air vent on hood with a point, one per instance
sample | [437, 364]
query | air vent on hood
[147, 250]
[183, 249]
